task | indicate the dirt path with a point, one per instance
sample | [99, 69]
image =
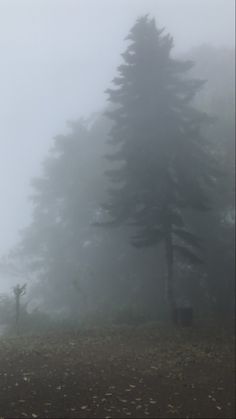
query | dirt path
[123, 372]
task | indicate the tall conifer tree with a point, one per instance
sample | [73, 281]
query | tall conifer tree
[161, 159]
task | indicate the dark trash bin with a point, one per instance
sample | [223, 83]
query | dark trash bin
[183, 316]
[186, 316]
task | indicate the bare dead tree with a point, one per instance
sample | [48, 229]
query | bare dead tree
[19, 291]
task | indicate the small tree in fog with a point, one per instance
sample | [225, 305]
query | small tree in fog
[162, 162]
[19, 291]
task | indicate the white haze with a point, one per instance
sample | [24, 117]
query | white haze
[57, 58]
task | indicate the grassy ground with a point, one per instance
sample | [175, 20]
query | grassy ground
[117, 373]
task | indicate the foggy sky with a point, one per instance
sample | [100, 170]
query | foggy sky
[57, 58]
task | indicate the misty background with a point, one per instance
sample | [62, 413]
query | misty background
[117, 208]
[57, 59]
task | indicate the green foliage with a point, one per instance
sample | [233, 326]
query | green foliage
[164, 159]
[65, 199]
[160, 169]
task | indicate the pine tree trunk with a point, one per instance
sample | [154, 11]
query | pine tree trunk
[170, 284]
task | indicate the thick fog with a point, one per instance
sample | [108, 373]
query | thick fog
[57, 58]
[117, 209]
